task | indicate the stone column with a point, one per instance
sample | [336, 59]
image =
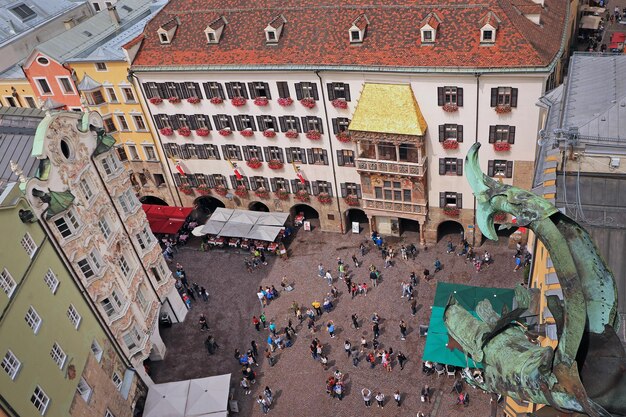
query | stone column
[397, 153]
[422, 238]
[376, 150]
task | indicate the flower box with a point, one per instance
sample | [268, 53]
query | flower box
[216, 100]
[238, 101]
[302, 195]
[450, 107]
[262, 192]
[282, 194]
[343, 136]
[193, 100]
[309, 103]
[340, 103]
[451, 211]
[502, 146]
[499, 217]
[184, 131]
[285, 101]
[156, 100]
[291, 134]
[274, 164]
[202, 131]
[261, 101]
[269, 133]
[246, 133]
[174, 100]
[241, 191]
[226, 132]
[203, 189]
[254, 163]
[324, 198]
[313, 135]
[503, 108]
[186, 189]
[221, 190]
[450, 144]
[352, 200]
[167, 131]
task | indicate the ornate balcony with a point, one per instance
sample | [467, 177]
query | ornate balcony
[394, 206]
[392, 167]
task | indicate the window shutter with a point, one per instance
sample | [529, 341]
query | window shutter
[147, 91]
[177, 180]
[216, 121]
[459, 133]
[233, 181]
[266, 151]
[158, 122]
[335, 126]
[309, 153]
[298, 125]
[215, 151]
[288, 151]
[210, 180]
[283, 125]
[344, 190]
[230, 121]
[298, 91]
[273, 183]
[274, 123]
[346, 88]
[513, 97]
[238, 124]
[283, 89]
[164, 92]
[260, 122]
[246, 182]
[331, 91]
[358, 191]
[184, 150]
[253, 183]
[490, 168]
[459, 167]
[294, 185]
[175, 150]
[492, 134]
[183, 91]
[511, 134]
[207, 90]
[315, 94]
[330, 189]
[320, 124]
[494, 97]
[281, 157]
[304, 158]
[459, 96]
[167, 147]
[244, 90]
[287, 185]
[266, 183]
[201, 151]
[340, 158]
[252, 90]
[316, 189]
[229, 90]
[442, 166]
[238, 152]
[459, 200]
[225, 152]
[221, 91]
[509, 169]
[193, 180]
[440, 96]
[325, 156]
[305, 124]
[193, 123]
[442, 133]
[267, 91]
[442, 199]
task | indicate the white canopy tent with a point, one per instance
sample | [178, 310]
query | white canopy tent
[589, 22]
[246, 216]
[234, 229]
[262, 232]
[211, 227]
[273, 219]
[222, 214]
[167, 400]
[243, 224]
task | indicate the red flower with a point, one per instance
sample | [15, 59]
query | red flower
[238, 101]
[313, 135]
[451, 211]
[203, 189]
[261, 192]
[156, 100]
[184, 131]
[324, 198]
[291, 134]
[285, 101]
[269, 133]
[352, 200]
[450, 107]
[450, 144]
[309, 103]
[226, 132]
[221, 190]
[343, 136]
[302, 195]
[202, 131]
[167, 131]
[282, 194]
[340, 103]
[193, 100]
[241, 191]
[274, 164]
[186, 189]
[254, 163]
[261, 101]
[216, 100]
[246, 133]
[503, 108]
[174, 100]
[502, 146]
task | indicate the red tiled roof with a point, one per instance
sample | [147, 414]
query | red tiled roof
[361, 22]
[133, 42]
[316, 34]
[431, 20]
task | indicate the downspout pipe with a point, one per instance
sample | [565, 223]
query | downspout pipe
[477, 75]
[332, 152]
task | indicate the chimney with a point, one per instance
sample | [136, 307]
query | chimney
[115, 18]
[69, 23]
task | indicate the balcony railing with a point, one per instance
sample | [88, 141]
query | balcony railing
[392, 167]
[394, 206]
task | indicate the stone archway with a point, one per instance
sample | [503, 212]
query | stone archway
[310, 214]
[450, 229]
[205, 205]
[356, 215]
[258, 206]
[150, 199]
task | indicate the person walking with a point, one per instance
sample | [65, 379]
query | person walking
[401, 360]
[331, 329]
[263, 320]
[376, 330]
[203, 324]
[373, 277]
[437, 265]
[362, 249]
[363, 344]
[257, 323]
[204, 294]
[402, 330]
[245, 385]
[324, 362]
[320, 270]
[329, 279]
[269, 357]
[318, 307]
[380, 399]
[367, 396]
[397, 397]
[255, 349]
[355, 321]
[347, 346]
[356, 261]
[263, 404]
[267, 392]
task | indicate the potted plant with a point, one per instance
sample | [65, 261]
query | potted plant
[501, 146]
[216, 100]
[262, 192]
[313, 134]
[246, 133]
[221, 190]
[282, 194]
[324, 198]
[174, 100]
[285, 101]
[241, 191]
[269, 133]
[193, 100]
[166, 131]
[302, 195]
[291, 133]
[226, 131]
[203, 189]
[308, 102]
[184, 131]
[451, 211]
[450, 107]
[503, 108]
[499, 217]
[261, 101]
[340, 103]
[450, 144]
[186, 189]
[352, 200]
[254, 163]
[274, 164]
[156, 100]
[202, 131]
[343, 136]
[238, 101]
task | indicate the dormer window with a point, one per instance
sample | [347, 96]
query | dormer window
[487, 35]
[164, 38]
[270, 35]
[211, 37]
[358, 29]
[489, 26]
[428, 28]
[274, 29]
[355, 36]
[427, 36]
[167, 30]
[214, 30]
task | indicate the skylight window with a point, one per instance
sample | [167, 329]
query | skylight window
[127, 8]
[24, 12]
[87, 33]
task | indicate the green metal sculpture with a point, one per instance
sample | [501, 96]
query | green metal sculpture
[586, 372]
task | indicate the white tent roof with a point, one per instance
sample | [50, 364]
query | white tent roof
[239, 223]
[222, 214]
[167, 400]
[262, 232]
[273, 219]
[246, 216]
[211, 227]
[208, 396]
[234, 229]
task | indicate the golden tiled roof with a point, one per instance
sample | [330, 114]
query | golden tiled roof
[388, 108]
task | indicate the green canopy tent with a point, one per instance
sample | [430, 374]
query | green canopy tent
[436, 348]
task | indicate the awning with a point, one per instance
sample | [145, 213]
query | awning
[211, 227]
[166, 219]
[166, 226]
[262, 232]
[243, 224]
[167, 399]
[273, 219]
[233, 229]
[222, 214]
[589, 22]
[245, 216]
[436, 348]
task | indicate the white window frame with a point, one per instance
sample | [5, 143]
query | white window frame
[63, 91]
[85, 188]
[135, 339]
[115, 304]
[138, 128]
[38, 84]
[147, 149]
[33, 319]
[70, 222]
[128, 202]
[146, 239]
[486, 29]
[84, 390]
[111, 163]
[125, 266]
[58, 355]
[73, 315]
[96, 349]
[51, 280]
[141, 297]
[11, 364]
[427, 35]
[111, 94]
[10, 100]
[122, 122]
[7, 283]
[133, 155]
[94, 262]
[29, 245]
[40, 400]
[117, 381]
[126, 99]
[105, 227]
[34, 106]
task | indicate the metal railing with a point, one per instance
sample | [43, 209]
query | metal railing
[394, 206]
[392, 167]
